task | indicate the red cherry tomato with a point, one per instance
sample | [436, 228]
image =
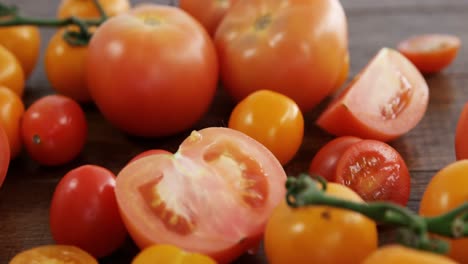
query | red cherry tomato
[54, 130]
[148, 153]
[213, 196]
[386, 100]
[461, 135]
[4, 155]
[376, 171]
[84, 211]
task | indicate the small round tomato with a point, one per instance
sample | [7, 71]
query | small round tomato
[87, 8]
[461, 139]
[376, 171]
[84, 211]
[24, 42]
[150, 152]
[11, 73]
[11, 113]
[292, 47]
[320, 234]
[392, 254]
[208, 12]
[386, 100]
[169, 254]
[446, 191]
[430, 53]
[272, 119]
[65, 68]
[213, 196]
[139, 77]
[57, 254]
[325, 160]
[54, 130]
[4, 155]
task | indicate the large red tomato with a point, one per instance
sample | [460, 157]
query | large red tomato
[213, 196]
[153, 71]
[297, 48]
[4, 155]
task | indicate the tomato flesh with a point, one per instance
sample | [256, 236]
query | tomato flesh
[461, 138]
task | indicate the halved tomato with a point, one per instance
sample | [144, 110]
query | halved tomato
[213, 196]
[57, 254]
[461, 139]
[148, 153]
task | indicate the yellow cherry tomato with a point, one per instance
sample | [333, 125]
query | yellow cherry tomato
[56, 254]
[11, 112]
[11, 73]
[87, 8]
[394, 254]
[169, 254]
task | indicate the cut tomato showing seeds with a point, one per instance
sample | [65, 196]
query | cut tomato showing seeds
[386, 100]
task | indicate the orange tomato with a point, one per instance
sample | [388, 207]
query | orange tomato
[320, 234]
[87, 8]
[65, 68]
[392, 254]
[4, 155]
[11, 112]
[447, 190]
[169, 254]
[11, 73]
[273, 119]
[57, 254]
[461, 140]
[344, 73]
[24, 42]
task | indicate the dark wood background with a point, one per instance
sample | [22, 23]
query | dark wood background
[27, 191]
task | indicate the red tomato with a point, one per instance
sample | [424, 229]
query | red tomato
[386, 100]
[152, 72]
[84, 211]
[376, 171]
[54, 130]
[150, 152]
[325, 160]
[461, 139]
[208, 12]
[213, 196]
[4, 155]
[430, 53]
[292, 47]
[57, 254]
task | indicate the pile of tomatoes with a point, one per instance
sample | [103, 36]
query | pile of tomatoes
[153, 71]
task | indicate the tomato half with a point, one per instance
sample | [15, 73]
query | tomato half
[11, 113]
[87, 8]
[57, 254]
[461, 139]
[150, 152]
[386, 100]
[445, 191]
[272, 119]
[11, 73]
[292, 47]
[4, 155]
[320, 234]
[213, 196]
[391, 254]
[430, 53]
[84, 211]
[139, 77]
[169, 254]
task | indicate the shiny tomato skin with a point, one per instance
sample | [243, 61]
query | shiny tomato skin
[87, 8]
[139, 78]
[385, 100]
[292, 47]
[213, 196]
[461, 132]
[13, 78]
[325, 160]
[56, 146]
[150, 152]
[58, 254]
[84, 211]
[4, 155]
[393, 253]
[169, 254]
[11, 113]
[320, 234]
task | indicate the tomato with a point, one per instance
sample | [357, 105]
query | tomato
[141, 80]
[4, 155]
[169, 254]
[461, 140]
[272, 119]
[87, 8]
[343, 74]
[325, 160]
[213, 196]
[150, 152]
[386, 100]
[65, 68]
[208, 12]
[54, 130]
[292, 47]
[24, 42]
[391, 254]
[57, 254]
[430, 53]
[320, 234]
[11, 73]
[11, 112]
[445, 191]
[84, 211]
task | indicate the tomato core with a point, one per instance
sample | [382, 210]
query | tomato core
[398, 103]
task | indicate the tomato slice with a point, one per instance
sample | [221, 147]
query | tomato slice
[213, 196]
[169, 254]
[148, 153]
[57, 254]
[386, 100]
[461, 139]
[4, 155]
[376, 171]
[430, 53]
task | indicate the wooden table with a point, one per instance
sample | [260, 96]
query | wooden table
[26, 194]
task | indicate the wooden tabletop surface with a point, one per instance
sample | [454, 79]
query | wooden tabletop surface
[27, 191]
